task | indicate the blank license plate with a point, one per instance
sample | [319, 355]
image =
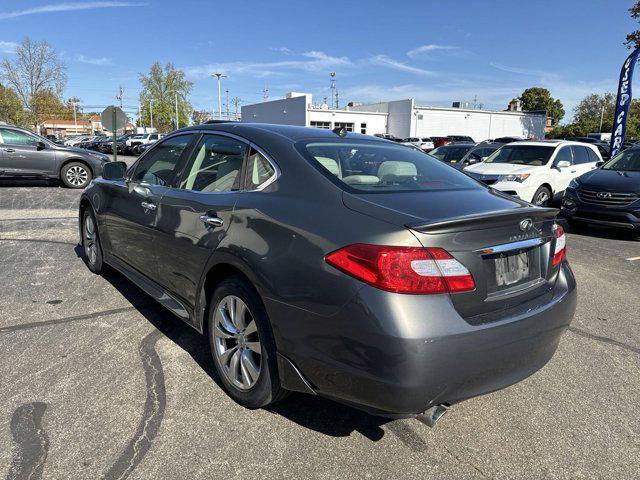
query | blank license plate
[512, 269]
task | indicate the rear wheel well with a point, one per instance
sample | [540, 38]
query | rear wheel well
[548, 186]
[215, 275]
[76, 160]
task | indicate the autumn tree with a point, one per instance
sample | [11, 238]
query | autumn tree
[11, 110]
[200, 116]
[633, 38]
[160, 89]
[36, 74]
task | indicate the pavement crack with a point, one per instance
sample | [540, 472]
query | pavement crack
[607, 340]
[32, 442]
[462, 460]
[152, 415]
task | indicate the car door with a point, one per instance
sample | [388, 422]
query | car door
[132, 208]
[561, 176]
[25, 154]
[195, 216]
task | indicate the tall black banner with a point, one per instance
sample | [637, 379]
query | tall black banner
[623, 102]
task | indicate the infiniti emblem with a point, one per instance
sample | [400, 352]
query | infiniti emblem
[603, 195]
[526, 224]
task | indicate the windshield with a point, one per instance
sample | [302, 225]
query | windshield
[450, 154]
[379, 167]
[535, 155]
[627, 161]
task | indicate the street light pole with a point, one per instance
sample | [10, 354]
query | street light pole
[601, 117]
[75, 120]
[177, 121]
[151, 112]
[219, 76]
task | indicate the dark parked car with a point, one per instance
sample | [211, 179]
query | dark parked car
[452, 153]
[335, 264]
[608, 196]
[441, 141]
[25, 154]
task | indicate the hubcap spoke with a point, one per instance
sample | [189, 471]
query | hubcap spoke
[234, 367]
[253, 346]
[251, 328]
[227, 354]
[249, 367]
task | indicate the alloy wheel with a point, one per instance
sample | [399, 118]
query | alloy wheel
[77, 176]
[541, 199]
[236, 342]
[90, 240]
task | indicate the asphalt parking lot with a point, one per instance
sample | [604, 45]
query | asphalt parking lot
[97, 381]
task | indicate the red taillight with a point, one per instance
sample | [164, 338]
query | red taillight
[412, 270]
[560, 252]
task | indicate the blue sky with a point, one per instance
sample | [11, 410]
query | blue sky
[434, 51]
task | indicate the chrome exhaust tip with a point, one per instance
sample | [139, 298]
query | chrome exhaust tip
[431, 416]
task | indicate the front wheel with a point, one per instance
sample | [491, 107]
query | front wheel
[242, 344]
[75, 175]
[91, 242]
[542, 197]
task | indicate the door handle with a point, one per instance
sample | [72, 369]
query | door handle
[10, 150]
[573, 171]
[148, 206]
[212, 221]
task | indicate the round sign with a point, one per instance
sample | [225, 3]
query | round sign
[107, 119]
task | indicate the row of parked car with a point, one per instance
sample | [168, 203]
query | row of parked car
[129, 144]
[577, 173]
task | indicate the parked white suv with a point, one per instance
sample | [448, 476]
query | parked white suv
[536, 172]
[425, 143]
[143, 139]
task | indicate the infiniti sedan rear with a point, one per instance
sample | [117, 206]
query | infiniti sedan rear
[336, 264]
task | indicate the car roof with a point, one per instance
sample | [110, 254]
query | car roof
[291, 132]
[459, 144]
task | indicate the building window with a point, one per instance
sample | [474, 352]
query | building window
[347, 125]
[363, 128]
[326, 125]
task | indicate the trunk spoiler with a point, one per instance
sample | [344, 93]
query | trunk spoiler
[487, 220]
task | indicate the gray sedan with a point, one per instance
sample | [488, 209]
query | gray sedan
[335, 264]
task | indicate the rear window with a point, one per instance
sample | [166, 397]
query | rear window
[377, 167]
[534, 155]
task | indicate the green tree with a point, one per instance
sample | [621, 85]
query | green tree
[34, 72]
[633, 38]
[11, 110]
[537, 98]
[587, 114]
[160, 88]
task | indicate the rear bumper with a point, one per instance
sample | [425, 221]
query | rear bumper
[397, 355]
[627, 217]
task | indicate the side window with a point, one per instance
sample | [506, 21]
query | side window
[564, 155]
[215, 165]
[157, 166]
[592, 155]
[580, 154]
[259, 170]
[13, 137]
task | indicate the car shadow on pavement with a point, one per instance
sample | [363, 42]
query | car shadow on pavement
[31, 182]
[315, 413]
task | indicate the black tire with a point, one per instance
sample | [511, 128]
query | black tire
[266, 389]
[542, 197]
[75, 175]
[91, 243]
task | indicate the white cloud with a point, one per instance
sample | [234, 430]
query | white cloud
[523, 71]
[424, 50]
[384, 61]
[313, 61]
[93, 61]
[8, 47]
[68, 7]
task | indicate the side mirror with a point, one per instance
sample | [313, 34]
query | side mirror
[563, 164]
[114, 171]
[41, 145]
[599, 164]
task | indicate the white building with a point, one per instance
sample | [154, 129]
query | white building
[401, 118]
[298, 109]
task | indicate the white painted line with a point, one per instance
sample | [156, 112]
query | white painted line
[632, 259]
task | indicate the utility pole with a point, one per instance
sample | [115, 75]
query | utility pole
[228, 116]
[219, 76]
[236, 103]
[265, 93]
[151, 112]
[120, 95]
[75, 120]
[601, 117]
[177, 119]
[332, 76]
[337, 102]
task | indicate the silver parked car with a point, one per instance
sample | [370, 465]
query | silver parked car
[27, 155]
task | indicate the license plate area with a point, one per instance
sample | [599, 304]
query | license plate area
[512, 270]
